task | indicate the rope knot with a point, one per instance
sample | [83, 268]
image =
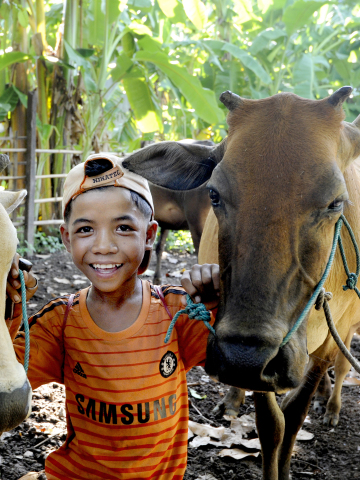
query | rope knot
[195, 311]
[351, 282]
[322, 297]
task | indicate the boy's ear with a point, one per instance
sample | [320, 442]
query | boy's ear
[65, 236]
[151, 234]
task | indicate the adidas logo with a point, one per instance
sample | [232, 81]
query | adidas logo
[79, 371]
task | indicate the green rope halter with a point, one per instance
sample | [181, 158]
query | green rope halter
[25, 321]
[195, 311]
[350, 282]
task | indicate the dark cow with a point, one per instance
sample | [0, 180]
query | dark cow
[177, 210]
[278, 184]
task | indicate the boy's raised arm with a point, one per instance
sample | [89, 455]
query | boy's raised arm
[202, 283]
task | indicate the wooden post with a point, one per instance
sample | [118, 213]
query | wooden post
[30, 158]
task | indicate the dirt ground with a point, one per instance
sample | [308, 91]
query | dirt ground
[330, 454]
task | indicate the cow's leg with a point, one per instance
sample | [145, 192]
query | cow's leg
[323, 393]
[231, 403]
[342, 367]
[295, 407]
[159, 251]
[270, 425]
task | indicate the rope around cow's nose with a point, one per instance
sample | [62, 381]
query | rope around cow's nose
[25, 321]
[195, 311]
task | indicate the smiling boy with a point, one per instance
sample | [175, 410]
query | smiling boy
[126, 391]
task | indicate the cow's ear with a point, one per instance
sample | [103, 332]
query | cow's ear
[350, 142]
[175, 165]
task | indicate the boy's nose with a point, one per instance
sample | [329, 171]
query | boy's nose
[104, 244]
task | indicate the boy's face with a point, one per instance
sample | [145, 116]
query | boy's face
[107, 236]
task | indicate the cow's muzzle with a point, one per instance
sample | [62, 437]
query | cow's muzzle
[254, 364]
[15, 406]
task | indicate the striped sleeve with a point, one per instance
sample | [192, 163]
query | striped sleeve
[46, 344]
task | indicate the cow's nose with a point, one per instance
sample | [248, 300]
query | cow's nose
[248, 363]
[15, 406]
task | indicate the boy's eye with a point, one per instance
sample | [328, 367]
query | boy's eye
[84, 230]
[124, 228]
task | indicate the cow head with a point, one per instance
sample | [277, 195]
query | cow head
[277, 189]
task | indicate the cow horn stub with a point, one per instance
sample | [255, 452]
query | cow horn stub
[4, 161]
[339, 97]
[230, 100]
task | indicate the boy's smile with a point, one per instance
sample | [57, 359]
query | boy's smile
[107, 236]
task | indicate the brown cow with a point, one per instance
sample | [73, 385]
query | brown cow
[278, 185]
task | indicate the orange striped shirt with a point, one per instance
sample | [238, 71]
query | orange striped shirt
[126, 392]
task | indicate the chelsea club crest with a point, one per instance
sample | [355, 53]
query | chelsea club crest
[168, 364]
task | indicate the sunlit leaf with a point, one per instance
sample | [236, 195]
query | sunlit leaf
[201, 99]
[150, 44]
[10, 97]
[10, 58]
[248, 61]
[244, 10]
[140, 99]
[304, 77]
[75, 56]
[123, 63]
[343, 67]
[264, 5]
[23, 17]
[22, 97]
[297, 14]
[196, 12]
[262, 40]
[140, 29]
[168, 7]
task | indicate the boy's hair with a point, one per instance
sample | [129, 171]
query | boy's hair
[99, 166]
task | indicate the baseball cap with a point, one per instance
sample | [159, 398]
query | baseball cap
[80, 180]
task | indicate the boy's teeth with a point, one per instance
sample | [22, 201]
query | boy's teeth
[109, 265]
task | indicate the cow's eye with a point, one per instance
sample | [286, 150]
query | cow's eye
[336, 205]
[214, 197]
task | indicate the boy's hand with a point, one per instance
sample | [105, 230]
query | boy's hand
[202, 283]
[13, 282]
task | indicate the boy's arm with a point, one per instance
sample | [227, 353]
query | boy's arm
[46, 343]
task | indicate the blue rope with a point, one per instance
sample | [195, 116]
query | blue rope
[25, 321]
[314, 296]
[195, 311]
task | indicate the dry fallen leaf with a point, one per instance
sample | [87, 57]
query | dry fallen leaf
[254, 443]
[206, 430]
[201, 441]
[304, 436]
[351, 381]
[236, 453]
[243, 425]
